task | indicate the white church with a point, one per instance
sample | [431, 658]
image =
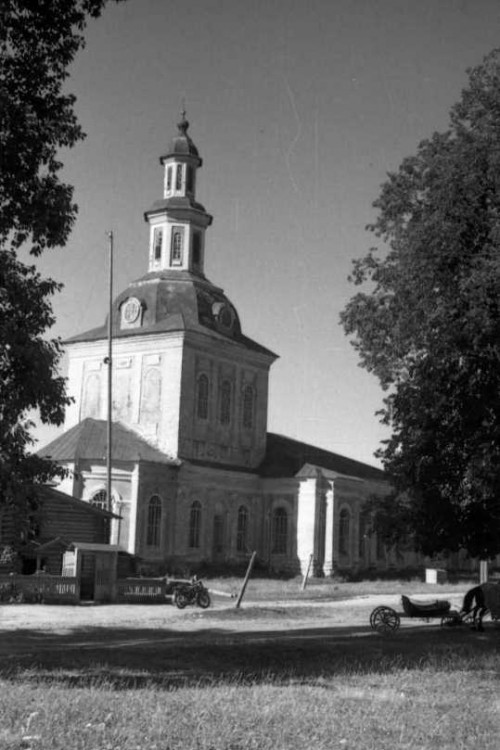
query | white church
[196, 476]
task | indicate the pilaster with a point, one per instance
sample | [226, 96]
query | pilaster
[306, 521]
[329, 500]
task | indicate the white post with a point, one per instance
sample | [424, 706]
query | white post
[483, 571]
[328, 563]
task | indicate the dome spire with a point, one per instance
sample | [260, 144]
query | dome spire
[183, 125]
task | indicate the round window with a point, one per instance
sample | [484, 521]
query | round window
[132, 310]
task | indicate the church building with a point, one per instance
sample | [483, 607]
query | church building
[196, 476]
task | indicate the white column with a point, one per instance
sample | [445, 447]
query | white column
[306, 522]
[329, 499]
[134, 505]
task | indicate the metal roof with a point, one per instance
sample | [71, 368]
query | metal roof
[175, 301]
[88, 441]
[286, 458]
[46, 491]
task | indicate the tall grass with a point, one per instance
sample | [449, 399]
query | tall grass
[450, 704]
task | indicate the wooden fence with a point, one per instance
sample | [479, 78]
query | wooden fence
[39, 589]
[48, 589]
[141, 590]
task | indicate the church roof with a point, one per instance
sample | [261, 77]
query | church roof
[286, 458]
[174, 301]
[176, 203]
[55, 497]
[181, 144]
[88, 441]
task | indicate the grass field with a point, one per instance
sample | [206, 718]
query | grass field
[282, 676]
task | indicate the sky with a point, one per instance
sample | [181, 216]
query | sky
[299, 108]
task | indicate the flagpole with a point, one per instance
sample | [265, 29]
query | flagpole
[110, 377]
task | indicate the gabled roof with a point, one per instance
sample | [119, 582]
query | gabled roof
[46, 492]
[57, 542]
[91, 547]
[287, 458]
[88, 441]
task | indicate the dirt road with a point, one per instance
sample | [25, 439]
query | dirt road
[133, 645]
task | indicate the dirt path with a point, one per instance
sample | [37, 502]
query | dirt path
[17, 621]
[132, 645]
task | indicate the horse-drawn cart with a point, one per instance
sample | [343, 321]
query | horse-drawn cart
[386, 620]
[478, 601]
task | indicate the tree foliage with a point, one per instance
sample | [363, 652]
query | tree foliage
[38, 41]
[428, 326]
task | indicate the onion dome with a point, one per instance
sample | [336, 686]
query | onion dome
[181, 144]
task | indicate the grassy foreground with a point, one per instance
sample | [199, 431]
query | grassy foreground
[443, 705]
[235, 684]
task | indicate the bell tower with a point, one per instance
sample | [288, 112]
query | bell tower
[177, 222]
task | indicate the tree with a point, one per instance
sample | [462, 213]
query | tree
[38, 41]
[428, 327]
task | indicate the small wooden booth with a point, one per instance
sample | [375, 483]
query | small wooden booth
[96, 567]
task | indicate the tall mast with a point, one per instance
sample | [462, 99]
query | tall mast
[110, 376]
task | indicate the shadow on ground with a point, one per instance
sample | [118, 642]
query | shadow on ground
[124, 658]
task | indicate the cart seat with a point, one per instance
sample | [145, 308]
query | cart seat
[428, 608]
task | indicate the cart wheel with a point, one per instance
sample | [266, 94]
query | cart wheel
[451, 619]
[384, 620]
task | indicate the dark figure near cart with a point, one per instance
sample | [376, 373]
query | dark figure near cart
[479, 601]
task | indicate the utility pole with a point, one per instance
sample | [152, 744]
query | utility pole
[109, 360]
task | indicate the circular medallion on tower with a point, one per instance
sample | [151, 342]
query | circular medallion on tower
[131, 312]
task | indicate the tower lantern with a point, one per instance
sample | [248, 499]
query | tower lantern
[177, 222]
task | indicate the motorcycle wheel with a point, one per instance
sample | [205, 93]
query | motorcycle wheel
[203, 599]
[180, 599]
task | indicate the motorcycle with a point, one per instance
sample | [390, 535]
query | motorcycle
[192, 593]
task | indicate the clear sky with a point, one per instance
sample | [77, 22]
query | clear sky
[298, 109]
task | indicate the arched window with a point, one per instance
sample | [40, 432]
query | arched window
[280, 531]
[194, 524]
[178, 177]
[196, 249]
[248, 406]
[189, 179]
[169, 179]
[344, 531]
[225, 402]
[177, 238]
[242, 529]
[100, 500]
[202, 398]
[157, 242]
[154, 522]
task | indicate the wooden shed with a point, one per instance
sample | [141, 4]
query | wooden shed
[56, 521]
[96, 567]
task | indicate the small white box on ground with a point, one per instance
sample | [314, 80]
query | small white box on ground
[430, 575]
[435, 575]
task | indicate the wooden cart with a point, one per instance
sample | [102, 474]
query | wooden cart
[386, 620]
